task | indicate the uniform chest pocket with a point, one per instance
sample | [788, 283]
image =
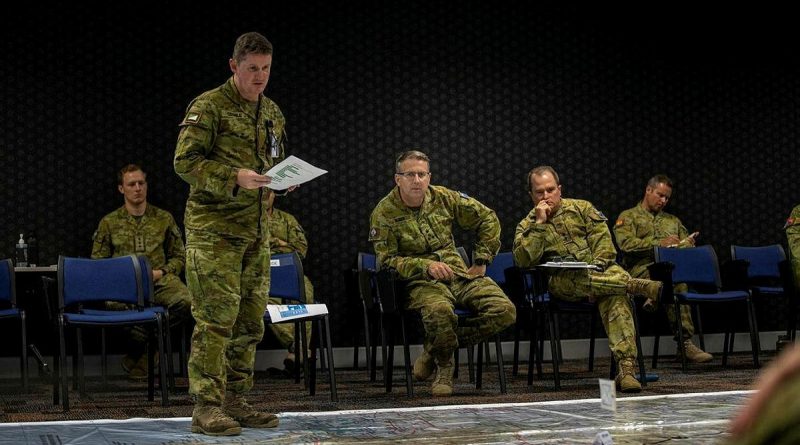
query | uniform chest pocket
[409, 238]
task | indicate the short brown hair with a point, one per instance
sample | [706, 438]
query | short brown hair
[128, 169]
[659, 179]
[540, 170]
[250, 43]
[410, 154]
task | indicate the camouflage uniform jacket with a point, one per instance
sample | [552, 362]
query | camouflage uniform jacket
[283, 226]
[638, 231]
[792, 228]
[221, 133]
[576, 231]
[155, 235]
[409, 240]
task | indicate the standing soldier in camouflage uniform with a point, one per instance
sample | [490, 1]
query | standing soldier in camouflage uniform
[141, 228]
[229, 138]
[638, 230]
[286, 236]
[792, 228]
[411, 230]
[575, 230]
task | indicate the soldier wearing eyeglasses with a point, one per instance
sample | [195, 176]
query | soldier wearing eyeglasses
[411, 230]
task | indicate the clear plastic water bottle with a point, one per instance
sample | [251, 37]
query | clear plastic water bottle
[22, 252]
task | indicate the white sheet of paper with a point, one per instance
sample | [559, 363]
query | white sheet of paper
[608, 394]
[292, 171]
[283, 312]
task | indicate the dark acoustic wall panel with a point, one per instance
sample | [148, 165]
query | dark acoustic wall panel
[608, 95]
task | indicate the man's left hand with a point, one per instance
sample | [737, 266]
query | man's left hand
[476, 270]
[157, 274]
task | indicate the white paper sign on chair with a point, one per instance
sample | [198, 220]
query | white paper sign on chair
[283, 312]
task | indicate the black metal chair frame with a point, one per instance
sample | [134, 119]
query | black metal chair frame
[13, 312]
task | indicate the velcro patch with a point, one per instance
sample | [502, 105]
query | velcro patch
[192, 118]
[464, 195]
[376, 234]
[791, 222]
[620, 222]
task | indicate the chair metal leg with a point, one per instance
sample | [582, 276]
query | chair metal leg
[388, 358]
[165, 369]
[309, 361]
[725, 348]
[533, 350]
[62, 371]
[595, 316]
[167, 342]
[639, 353]
[479, 370]
[23, 365]
[407, 358]
[367, 350]
[500, 365]
[471, 363]
[456, 362]
[656, 342]
[681, 348]
[151, 351]
[754, 340]
[555, 341]
[331, 367]
[515, 364]
[80, 378]
[699, 327]
[103, 358]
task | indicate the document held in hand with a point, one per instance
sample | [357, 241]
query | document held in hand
[292, 171]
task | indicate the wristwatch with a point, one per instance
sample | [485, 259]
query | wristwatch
[481, 262]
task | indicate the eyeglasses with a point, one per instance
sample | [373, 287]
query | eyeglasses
[411, 175]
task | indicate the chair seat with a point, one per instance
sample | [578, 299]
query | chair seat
[111, 318]
[732, 295]
[10, 313]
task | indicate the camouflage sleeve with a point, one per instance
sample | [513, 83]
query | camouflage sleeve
[101, 241]
[195, 143]
[384, 242]
[599, 239]
[297, 237]
[628, 242]
[174, 249]
[470, 214]
[792, 228]
[529, 242]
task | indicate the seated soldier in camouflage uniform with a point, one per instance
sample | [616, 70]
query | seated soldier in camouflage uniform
[792, 228]
[412, 232]
[143, 229]
[286, 235]
[645, 226]
[574, 229]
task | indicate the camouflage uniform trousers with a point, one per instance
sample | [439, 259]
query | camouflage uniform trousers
[607, 288]
[284, 332]
[229, 282]
[435, 300]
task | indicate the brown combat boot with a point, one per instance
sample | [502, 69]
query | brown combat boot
[649, 289]
[212, 421]
[443, 383]
[238, 408]
[424, 366]
[626, 380]
[694, 354]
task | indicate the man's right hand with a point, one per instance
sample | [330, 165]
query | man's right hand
[440, 271]
[248, 179]
[542, 212]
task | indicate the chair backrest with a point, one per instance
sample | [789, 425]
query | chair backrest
[693, 265]
[497, 269]
[84, 280]
[764, 260]
[367, 287]
[286, 277]
[147, 279]
[8, 289]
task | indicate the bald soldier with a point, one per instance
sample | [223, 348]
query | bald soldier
[141, 228]
[645, 226]
[411, 230]
[229, 138]
[574, 229]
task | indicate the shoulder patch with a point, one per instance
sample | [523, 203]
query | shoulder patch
[463, 195]
[376, 234]
[192, 118]
[620, 222]
[600, 214]
[791, 222]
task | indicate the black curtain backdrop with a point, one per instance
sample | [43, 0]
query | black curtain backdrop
[607, 94]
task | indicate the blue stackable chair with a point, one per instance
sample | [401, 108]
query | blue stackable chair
[367, 265]
[10, 311]
[286, 283]
[699, 269]
[86, 281]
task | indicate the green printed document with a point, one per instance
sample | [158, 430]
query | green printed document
[292, 171]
